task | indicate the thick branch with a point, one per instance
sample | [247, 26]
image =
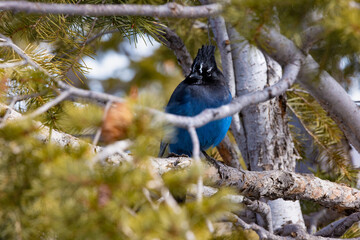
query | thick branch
[166, 10]
[326, 90]
[270, 184]
[339, 227]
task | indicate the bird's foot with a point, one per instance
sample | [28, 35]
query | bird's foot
[177, 155]
[217, 164]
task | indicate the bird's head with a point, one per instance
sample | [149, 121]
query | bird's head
[204, 64]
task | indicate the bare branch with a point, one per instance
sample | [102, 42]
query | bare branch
[208, 115]
[263, 209]
[228, 153]
[98, 132]
[339, 227]
[116, 148]
[13, 64]
[100, 34]
[310, 36]
[270, 184]
[289, 76]
[167, 10]
[263, 234]
[315, 220]
[291, 186]
[327, 91]
[298, 232]
[196, 156]
[174, 42]
[22, 54]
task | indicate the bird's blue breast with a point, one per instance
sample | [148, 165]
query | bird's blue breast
[190, 101]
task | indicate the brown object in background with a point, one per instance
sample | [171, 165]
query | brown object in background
[116, 123]
[118, 120]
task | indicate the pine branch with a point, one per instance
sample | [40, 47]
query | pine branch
[270, 184]
[166, 10]
[290, 73]
[12, 64]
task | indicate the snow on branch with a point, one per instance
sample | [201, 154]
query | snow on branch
[167, 10]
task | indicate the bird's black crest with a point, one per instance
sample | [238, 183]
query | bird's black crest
[205, 60]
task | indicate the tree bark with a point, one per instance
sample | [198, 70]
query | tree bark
[267, 142]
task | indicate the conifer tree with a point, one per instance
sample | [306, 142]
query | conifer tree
[80, 164]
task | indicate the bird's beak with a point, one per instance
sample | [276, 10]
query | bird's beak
[195, 75]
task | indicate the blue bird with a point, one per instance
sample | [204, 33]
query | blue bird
[205, 87]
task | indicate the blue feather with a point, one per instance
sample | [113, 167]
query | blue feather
[205, 87]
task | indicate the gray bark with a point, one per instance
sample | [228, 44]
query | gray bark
[267, 140]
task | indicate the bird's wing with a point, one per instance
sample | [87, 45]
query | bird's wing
[180, 101]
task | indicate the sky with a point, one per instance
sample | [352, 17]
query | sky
[113, 64]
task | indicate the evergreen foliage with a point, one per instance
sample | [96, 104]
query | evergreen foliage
[51, 192]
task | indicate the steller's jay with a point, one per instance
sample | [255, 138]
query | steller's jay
[205, 87]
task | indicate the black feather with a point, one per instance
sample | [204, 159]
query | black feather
[204, 62]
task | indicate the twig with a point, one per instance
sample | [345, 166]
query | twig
[297, 232]
[270, 184]
[263, 234]
[297, 90]
[167, 10]
[315, 220]
[208, 115]
[116, 148]
[263, 209]
[49, 105]
[7, 113]
[13, 64]
[98, 132]
[100, 34]
[196, 156]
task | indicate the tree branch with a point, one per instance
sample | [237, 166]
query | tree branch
[206, 116]
[339, 227]
[263, 209]
[270, 184]
[263, 234]
[297, 232]
[326, 90]
[174, 42]
[49, 105]
[12, 64]
[196, 156]
[167, 10]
